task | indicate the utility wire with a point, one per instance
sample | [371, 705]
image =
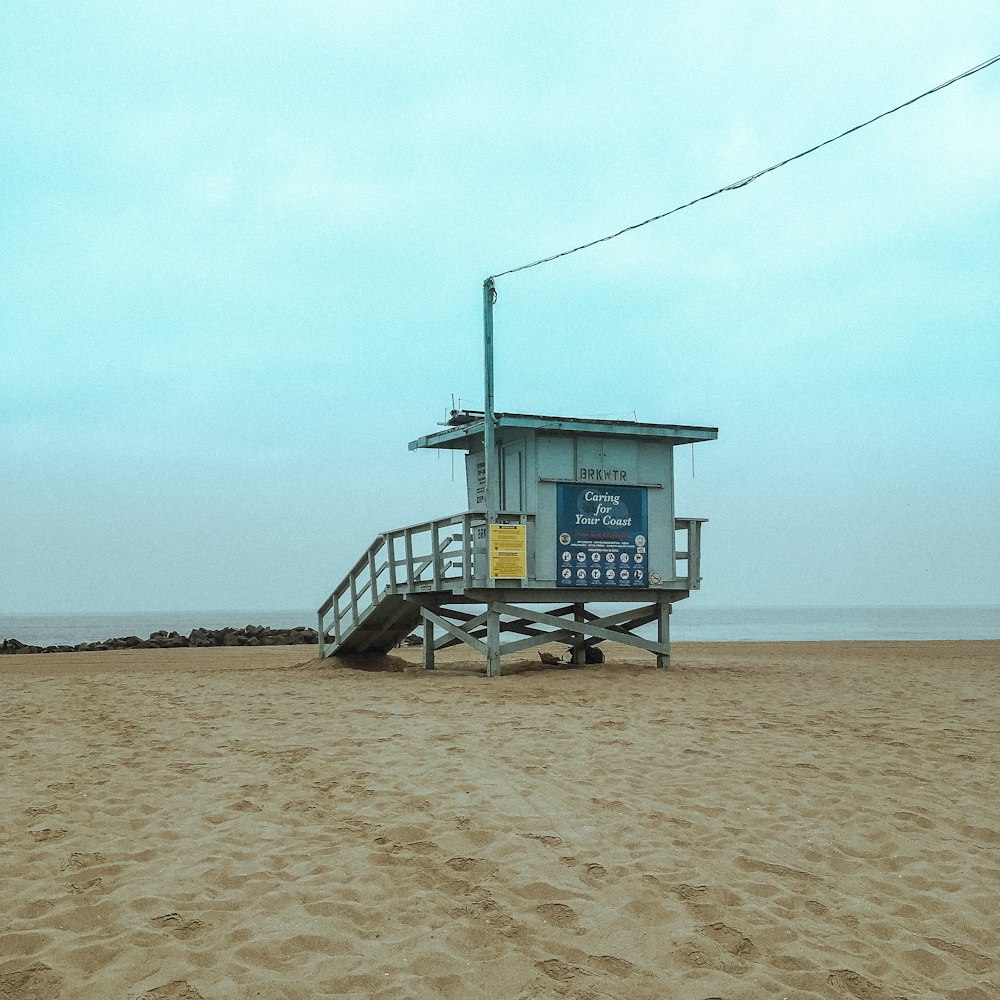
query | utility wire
[760, 173]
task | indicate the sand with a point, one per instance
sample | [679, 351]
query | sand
[764, 820]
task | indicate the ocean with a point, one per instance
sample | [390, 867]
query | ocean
[689, 623]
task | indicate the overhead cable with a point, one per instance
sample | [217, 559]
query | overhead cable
[760, 173]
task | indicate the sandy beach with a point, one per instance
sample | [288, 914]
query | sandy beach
[763, 820]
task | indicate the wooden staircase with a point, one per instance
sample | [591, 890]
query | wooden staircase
[369, 612]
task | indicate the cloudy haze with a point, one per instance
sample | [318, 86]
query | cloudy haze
[243, 250]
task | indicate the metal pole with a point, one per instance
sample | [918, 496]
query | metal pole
[492, 480]
[489, 414]
[489, 421]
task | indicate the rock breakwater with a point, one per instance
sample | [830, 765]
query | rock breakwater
[249, 635]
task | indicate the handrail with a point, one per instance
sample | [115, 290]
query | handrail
[427, 546]
[431, 559]
[344, 584]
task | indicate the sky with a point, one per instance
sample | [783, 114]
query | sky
[242, 249]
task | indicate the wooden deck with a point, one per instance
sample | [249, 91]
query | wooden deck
[433, 574]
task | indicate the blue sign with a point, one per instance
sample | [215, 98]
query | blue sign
[602, 536]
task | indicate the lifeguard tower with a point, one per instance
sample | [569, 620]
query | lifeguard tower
[562, 513]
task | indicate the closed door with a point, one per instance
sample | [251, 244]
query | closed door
[512, 481]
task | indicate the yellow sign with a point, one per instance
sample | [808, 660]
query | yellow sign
[508, 551]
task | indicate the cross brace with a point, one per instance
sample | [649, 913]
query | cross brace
[583, 629]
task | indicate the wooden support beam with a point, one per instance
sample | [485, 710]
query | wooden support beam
[454, 630]
[579, 647]
[594, 628]
[428, 650]
[474, 625]
[663, 635]
[539, 639]
[493, 612]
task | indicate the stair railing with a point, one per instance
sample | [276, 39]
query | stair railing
[427, 556]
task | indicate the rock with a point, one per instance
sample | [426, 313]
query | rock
[249, 635]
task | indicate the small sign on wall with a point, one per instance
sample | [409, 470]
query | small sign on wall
[602, 536]
[508, 551]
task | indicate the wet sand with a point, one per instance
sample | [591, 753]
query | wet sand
[772, 819]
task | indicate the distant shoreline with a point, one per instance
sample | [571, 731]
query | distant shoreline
[690, 622]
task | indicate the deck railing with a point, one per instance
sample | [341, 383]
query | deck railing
[687, 550]
[449, 553]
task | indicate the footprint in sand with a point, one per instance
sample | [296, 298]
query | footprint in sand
[560, 971]
[245, 805]
[180, 989]
[614, 805]
[972, 959]
[687, 892]
[415, 847]
[799, 879]
[36, 980]
[915, 818]
[178, 926]
[559, 915]
[549, 839]
[613, 965]
[594, 873]
[360, 791]
[78, 860]
[474, 869]
[849, 983]
[77, 888]
[41, 836]
[591, 873]
[718, 946]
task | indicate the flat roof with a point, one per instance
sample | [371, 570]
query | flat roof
[465, 435]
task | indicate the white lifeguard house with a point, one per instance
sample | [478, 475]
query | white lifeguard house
[562, 513]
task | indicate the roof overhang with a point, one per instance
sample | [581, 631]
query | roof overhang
[469, 436]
